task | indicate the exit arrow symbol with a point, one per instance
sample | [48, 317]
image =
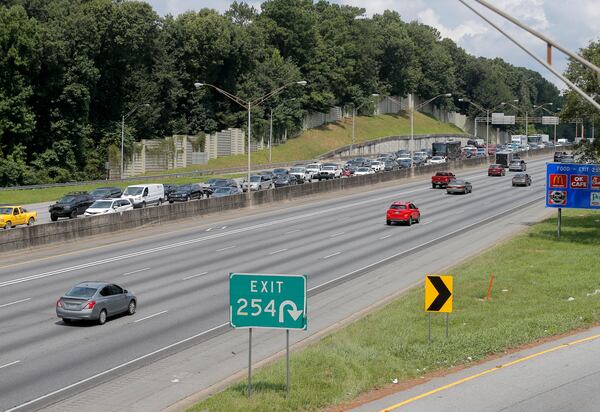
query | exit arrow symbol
[294, 312]
[443, 293]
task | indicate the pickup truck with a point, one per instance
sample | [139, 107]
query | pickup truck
[11, 216]
[441, 179]
[328, 172]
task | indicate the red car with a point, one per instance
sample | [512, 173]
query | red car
[405, 212]
[496, 170]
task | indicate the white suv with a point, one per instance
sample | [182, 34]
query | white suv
[312, 170]
[329, 171]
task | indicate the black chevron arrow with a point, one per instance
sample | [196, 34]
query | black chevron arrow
[443, 293]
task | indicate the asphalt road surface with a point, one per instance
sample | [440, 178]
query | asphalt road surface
[181, 278]
[563, 375]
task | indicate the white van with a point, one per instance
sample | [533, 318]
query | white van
[145, 195]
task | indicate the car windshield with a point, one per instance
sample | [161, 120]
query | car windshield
[494, 166]
[219, 182]
[101, 204]
[6, 211]
[312, 166]
[363, 169]
[457, 182]
[255, 178]
[67, 199]
[100, 192]
[133, 191]
[520, 176]
[401, 207]
[185, 188]
[81, 292]
[297, 170]
[279, 171]
[222, 190]
[329, 168]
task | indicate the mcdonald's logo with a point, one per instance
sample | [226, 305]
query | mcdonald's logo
[558, 181]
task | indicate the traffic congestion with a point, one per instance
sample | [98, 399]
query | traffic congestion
[112, 199]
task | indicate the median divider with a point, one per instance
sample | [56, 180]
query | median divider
[74, 229]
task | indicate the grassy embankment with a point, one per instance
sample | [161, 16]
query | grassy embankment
[306, 146]
[535, 277]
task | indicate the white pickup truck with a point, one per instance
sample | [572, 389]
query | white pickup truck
[300, 172]
[312, 170]
[329, 171]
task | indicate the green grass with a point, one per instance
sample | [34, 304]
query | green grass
[309, 145]
[23, 197]
[535, 275]
[315, 142]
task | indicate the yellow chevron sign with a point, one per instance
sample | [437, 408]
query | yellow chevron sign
[438, 293]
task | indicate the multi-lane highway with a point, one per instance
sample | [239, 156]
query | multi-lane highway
[181, 278]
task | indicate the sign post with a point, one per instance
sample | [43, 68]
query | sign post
[270, 302]
[572, 186]
[438, 297]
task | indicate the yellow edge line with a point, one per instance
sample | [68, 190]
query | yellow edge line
[477, 375]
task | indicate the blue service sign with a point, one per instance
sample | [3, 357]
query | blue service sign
[575, 186]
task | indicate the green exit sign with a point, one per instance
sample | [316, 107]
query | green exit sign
[267, 301]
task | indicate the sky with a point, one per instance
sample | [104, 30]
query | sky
[571, 23]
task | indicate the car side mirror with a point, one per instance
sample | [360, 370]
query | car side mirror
[125, 291]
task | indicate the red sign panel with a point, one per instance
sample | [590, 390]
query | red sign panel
[578, 181]
[558, 181]
[596, 182]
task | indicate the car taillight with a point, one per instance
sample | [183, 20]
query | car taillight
[90, 304]
[58, 304]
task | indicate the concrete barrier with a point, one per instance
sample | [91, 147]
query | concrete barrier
[70, 230]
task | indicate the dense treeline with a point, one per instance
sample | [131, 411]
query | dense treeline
[69, 69]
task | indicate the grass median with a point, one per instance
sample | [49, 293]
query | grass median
[543, 286]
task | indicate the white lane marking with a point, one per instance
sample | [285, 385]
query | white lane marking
[195, 276]
[224, 227]
[292, 231]
[121, 366]
[209, 229]
[205, 238]
[332, 255]
[15, 302]
[385, 237]
[225, 248]
[222, 325]
[135, 271]
[426, 223]
[151, 316]
[10, 364]
[337, 234]
[277, 251]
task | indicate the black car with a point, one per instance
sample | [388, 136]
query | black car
[106, 193]
[278, 172]
[286, 180]
[187, 192]
[558, 156]
[214, 183]
[169, 188]
[404, 163]
[71, 205]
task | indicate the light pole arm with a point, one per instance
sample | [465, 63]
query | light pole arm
[429, 101]
[267, 96]
[236, 99]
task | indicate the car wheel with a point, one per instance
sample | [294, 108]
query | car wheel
[102, 317]
[419, 219]
[410, 221]
[73, 214]
[187, 198]
[433, 186]
[388, 222]
[31, 221]
[170, 201]
[53, 218]
[160, 201]
[131, 307]
[143, 205]
[8, 225]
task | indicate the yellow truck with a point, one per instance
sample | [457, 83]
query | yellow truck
[11, 216]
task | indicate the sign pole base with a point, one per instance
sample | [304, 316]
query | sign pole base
[429, 315]
[249, 362]
[447, 316]
[287, 362]
[559, 222]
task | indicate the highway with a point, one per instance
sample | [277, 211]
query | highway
[181, 277]
[557, 376]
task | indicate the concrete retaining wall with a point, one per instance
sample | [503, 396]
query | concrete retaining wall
[69, 230]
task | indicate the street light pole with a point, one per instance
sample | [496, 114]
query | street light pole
[123, 117]
[248, 106]
[271, 136]
[412, 121]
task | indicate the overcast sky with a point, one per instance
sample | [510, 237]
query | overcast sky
[572, 23]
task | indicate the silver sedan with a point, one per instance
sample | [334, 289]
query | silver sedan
[459, 186]
[95, 301]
